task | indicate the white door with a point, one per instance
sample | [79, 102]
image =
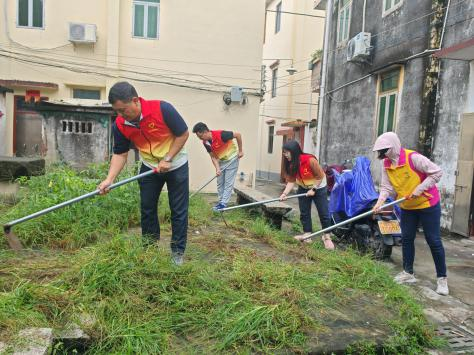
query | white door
[463, 208]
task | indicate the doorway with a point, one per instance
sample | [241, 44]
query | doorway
[463, 223]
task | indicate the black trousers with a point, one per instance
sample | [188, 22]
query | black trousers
[321, 201]
[177, 182]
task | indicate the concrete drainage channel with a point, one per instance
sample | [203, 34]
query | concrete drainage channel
[43, 341]
[459, 340]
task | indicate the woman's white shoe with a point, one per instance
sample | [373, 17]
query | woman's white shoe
[405, 278]
[442, 288]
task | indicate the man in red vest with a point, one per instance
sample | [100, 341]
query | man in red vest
[223, 152]
[159, 133]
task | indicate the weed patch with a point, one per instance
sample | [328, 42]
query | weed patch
[79, 224]
[229, 296]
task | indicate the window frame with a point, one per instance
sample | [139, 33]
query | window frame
[146, 4]
[271, 139]
[86, 89]
[274, 82]
[392, 8]
[278, 17]
[387, 95]
[348, 6]
[30, 16]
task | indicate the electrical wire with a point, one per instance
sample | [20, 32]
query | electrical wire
[296, 13]
[152, 68]
[394, 45]
[385, 31]
[129, 71]
[83, 71]
[282, 86]
[402, 25]
[175, 103]
[284, 118]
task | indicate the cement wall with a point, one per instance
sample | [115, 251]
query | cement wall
[455, 97]
[76, 149]
[349, 121]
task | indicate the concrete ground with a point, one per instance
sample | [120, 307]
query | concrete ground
[453, 315]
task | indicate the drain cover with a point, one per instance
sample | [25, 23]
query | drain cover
[458, 339]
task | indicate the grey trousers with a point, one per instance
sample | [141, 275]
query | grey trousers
[225, 182]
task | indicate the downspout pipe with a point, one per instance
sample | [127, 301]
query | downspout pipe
[324, 68]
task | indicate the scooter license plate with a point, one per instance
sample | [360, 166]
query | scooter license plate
[389, 227]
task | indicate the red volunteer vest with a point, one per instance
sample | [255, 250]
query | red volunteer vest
[223, 150]
[153, 139]
[305, 177]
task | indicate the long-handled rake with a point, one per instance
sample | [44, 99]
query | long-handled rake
[13, 240]
[212, 179]
[347, 221]
[260, 202]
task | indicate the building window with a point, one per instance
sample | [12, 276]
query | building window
[278, 18]
[77, 127]
[387, 101]
[271, 133]
[146, 18]
[344, 20]
[30, 13]
[274, 82]
[86, 94]
[390, 6]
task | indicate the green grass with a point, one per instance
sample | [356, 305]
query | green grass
[245, 289]
[77, 225]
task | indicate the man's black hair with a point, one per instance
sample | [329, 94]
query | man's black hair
[122, 91]
[200, 127]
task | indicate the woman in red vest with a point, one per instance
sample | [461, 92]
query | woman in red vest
[409, 174]
[304, 170]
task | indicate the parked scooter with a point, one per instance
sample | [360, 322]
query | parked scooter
[330, 170]
[354, 193]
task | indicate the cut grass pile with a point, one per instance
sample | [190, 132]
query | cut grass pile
[228, 297]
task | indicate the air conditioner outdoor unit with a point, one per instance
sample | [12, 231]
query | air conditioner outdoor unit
[359, 47]
[82, 33]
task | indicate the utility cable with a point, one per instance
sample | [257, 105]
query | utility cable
[205, 76]
[79, 66]
[82, 71]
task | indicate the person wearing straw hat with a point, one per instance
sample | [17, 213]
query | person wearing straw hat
[409, 174]
[222, 149]
[304, 170]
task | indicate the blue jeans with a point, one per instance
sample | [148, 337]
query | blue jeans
[320, 199]
[430, 220]
[177, 182]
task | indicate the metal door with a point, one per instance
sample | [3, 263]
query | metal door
[462, 216]
[28, 135]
